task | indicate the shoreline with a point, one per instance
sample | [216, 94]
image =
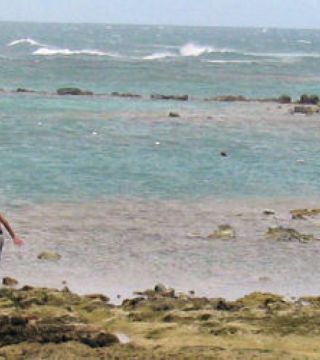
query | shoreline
[130, 244]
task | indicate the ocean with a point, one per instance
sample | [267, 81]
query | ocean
[118, 188]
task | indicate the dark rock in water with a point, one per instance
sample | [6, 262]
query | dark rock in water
[287, 234]
[22, 90]
[174, 114]
[169, 97]
[126, 95]
[228, 98]
[306, 110]
[309, 99]
[49, 256]
[223, 154]
[268, 212]
[285, 99]
[7, 281]
[73, 91]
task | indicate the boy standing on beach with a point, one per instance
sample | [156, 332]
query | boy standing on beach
[15, 238]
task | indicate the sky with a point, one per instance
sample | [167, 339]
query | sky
[265, 13]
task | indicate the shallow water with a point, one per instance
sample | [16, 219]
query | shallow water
[119, 246]
[76, 152]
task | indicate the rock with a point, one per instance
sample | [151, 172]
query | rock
[159, 291]
[224, 232]
[309, 99]
[126, 95]
[223, 154]
[7, 281]
[100, 297]
[286, 234]
[268, 212]
[260, 300]
[304, 213]
[49, 256]
[22, 90]
[73, 91]
[169, 97]
[160, 288]
[174, 114]
[17, 329]
[285, 99]
[228, 98]
[306, 110]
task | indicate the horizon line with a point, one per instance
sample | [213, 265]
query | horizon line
[55, 22]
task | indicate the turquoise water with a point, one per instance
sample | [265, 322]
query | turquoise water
[76, 148]
[101, 147]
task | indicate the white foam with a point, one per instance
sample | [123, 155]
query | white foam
[191, 49]
[25, 41]
[45, 51]
[230, 61]
[284, 55]
[302, 41]
[159, 55]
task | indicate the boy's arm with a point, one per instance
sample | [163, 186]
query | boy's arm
[8, 227]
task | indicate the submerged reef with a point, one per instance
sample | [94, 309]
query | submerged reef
[41, 323]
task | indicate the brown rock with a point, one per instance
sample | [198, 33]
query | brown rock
[7, 281]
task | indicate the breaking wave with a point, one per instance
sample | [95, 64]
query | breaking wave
[192, 49]
[44, 51]
[25, 41]
[230, 61]
[160, 55]
[187, 50]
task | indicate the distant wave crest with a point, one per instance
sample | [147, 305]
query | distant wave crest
[45, 51]
[191, 49]
[187, 50]
[25, 41]
[230, 61]
[159, 55]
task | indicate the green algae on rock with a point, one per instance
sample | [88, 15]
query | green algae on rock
[49, 256]
[38, 323]
[287, 234]
[8, 281]
[224, 232]
[304, 213]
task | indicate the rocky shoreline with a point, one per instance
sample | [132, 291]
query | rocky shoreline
[41, 323]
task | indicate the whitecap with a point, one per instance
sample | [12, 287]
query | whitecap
[45, 51]
[302, 41]
[25, 41]
[158, 56]
[191, 49]
[230, 61]
[284, 55]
